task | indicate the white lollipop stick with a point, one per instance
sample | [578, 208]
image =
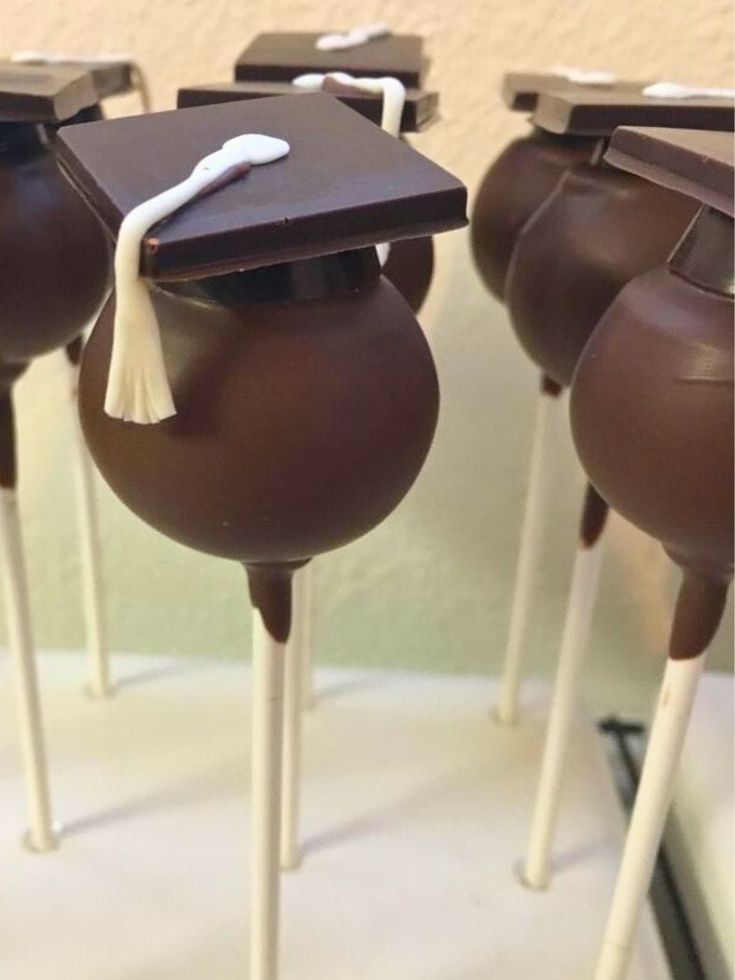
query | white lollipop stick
[672, 90]
[297, 665]
[90, 549]
[267, 746]
[649, 813]
[580, 609]
[394, 99]
[17, 612]
[137, 387]
[535, 518]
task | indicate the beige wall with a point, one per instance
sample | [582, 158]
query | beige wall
[431, 586]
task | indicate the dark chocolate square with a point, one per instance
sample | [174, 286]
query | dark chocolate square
[279, 57]
[113, 77]
[520, 90]
[344, 185]
[584, 112]
[419, 111]
[698, 163]
[48, 94]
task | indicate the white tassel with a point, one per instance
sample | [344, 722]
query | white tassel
[672, 90]
[352, 39]
[581, 76]
[138, 389]
[394, 99]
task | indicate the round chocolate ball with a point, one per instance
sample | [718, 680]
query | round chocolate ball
[652, 415]
[410, 267]
[519, 181]
[300, 425]
[598, 230]
[54, 256]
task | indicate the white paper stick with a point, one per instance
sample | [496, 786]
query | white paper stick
[137, 388]
[303, 604]
[580, 608]
[297, 657]
[90, 550]
[649, 813]
[267, 748]
[529, 557]
[40, 835]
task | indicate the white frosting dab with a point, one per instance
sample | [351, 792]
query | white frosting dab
[352, 39]
[580, 76]
[672, 90]
[137, 386]
[394, 99]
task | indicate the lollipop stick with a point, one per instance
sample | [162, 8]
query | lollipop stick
[580, 608]
[18, 617]
[529, 556]
[89, 541]
[297, 663]
[270, 592]
[303, 594]
[698, 612]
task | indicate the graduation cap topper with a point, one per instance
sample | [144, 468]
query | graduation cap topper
[344, 184]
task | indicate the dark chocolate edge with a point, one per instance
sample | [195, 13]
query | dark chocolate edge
[556, 115]
[618, 155]
[80, 93]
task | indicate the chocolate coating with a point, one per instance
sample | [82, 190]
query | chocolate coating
[598, 230]
[410, 268]
[300, 424]
[652, 415]
[54, 256]
[519, 181]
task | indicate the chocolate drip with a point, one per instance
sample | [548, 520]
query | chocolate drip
[270, 593]
[594, 518]
[8, 463]
[550, 387]
[699, 608]
[74, 351]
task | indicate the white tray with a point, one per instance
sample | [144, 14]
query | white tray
[416, 808]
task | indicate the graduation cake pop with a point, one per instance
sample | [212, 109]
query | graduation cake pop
[289, 392]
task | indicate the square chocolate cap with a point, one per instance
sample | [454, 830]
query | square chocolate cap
[279, 57]
[113, 76]
[698, 163]
[587, 112]
[345, 184]
[520, 90]
[419, 110]
[49, 94]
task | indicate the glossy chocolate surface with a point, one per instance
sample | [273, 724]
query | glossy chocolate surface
[54, 255]
[652, 418]
[410, 267]
[598, 230]
[49, 94]
[419, 111]
[299, 426]
[698, 163]
[110, 77]
[345, 184]
[282, 55]
[589, 112]
[514, 187]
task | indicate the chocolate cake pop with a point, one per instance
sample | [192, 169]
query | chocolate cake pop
[111, 74]
[304, 393]
[53, 275]
[652, 418]
[602, 228]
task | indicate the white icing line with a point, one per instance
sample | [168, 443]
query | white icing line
[394, 99]
[354, 38]
[581, 76]
[137, 386]
[672, 90]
